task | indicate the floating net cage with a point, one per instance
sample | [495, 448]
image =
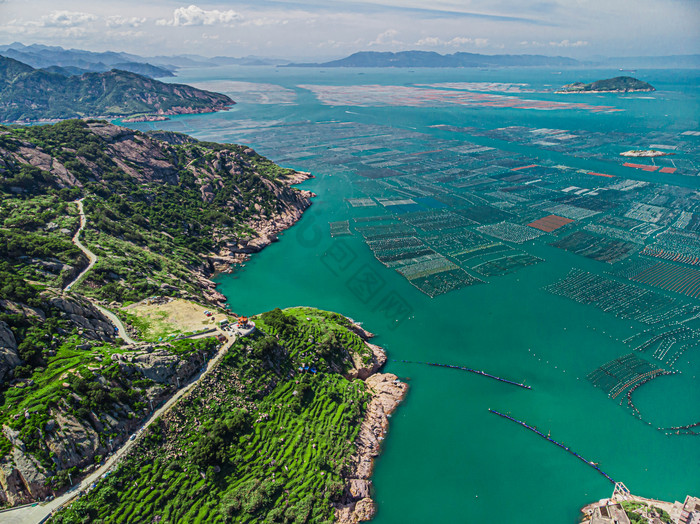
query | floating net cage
[340, 229]
[507, 264]
[511, 232]
[621, 373]
[596, 247]
[620, 299]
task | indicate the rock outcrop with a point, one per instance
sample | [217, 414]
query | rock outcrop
[22, 479]
[90, 321]
[161, 366]
[357, 504]
[74, 442]
[9, 358]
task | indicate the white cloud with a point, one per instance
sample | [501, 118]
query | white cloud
[120, 21]
[566, 43]
[66, 19]
[457, 41]
[429, 41]
[562, 43]
[387, 37]
[264, 21]
[126, 34]
[193, 16]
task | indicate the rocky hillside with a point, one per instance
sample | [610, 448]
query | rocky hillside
[279, 432]
[28, 94]
[163, 213]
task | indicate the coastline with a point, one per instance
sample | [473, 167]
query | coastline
[387, 393]
[237, 251]
[158, 116]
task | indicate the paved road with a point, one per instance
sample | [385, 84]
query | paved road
[117, 323]
[35, 514]
[76, 240]
[92, 257]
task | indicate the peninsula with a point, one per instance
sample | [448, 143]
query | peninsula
[619, 84]
[28, 94]
[120, 364]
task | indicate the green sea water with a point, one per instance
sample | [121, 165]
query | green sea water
[446, 458]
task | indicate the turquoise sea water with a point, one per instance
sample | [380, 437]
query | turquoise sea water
[446, 458]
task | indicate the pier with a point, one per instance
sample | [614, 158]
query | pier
[470, 370]
[550, 439]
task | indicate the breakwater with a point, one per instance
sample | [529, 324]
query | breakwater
[470, 370]
[550, 439]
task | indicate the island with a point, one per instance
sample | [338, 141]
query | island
[29, 95]
[645, 153]
[123, 372]
[619, 84]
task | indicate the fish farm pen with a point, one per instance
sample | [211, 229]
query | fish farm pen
[446, 211]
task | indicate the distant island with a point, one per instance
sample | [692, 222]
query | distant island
[619, 84]
[644, 153]
[28, 94]
[431, 59]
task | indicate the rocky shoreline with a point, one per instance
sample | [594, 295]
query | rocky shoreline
[161, 116]
[237, 251]
[387, 392]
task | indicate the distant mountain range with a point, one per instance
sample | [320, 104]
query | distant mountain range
[431, 59]
[28, 94]
[77, 61]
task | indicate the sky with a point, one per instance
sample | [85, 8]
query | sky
[315, 29]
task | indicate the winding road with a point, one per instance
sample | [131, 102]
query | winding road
[92, 257]
[40, 512]
[37, 513]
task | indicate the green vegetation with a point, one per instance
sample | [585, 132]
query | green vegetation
[257, 440]
[640, 512]
[619, 83]
[155, 212]
[148, 221]
[85, 385]
[37, 94]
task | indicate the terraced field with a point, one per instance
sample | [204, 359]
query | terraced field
[267, 436]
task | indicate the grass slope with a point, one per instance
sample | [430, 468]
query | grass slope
[261, 439]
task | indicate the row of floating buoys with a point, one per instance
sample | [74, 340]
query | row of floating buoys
[470, 370]
[550, 439]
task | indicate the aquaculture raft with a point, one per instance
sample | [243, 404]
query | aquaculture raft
[550, 439]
